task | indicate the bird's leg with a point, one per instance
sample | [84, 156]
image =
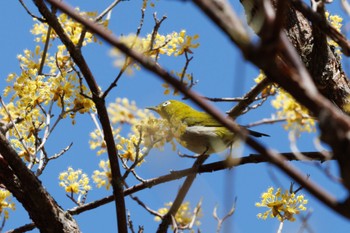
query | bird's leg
[187, 156]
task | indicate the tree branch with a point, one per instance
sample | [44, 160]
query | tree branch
[288, 72]
[20, 181]
[79, 59]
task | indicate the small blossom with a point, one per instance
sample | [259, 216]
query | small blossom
[173, 44]
[102, 178]
[6, 203]
[74, 181]
[296, 115]
[336, 22]
[283, 205]
[183, 216]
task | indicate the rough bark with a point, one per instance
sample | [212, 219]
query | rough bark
[26, 187]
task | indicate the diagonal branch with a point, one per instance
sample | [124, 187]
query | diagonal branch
[175, 175]
[279, 72]
[20, 181]
[206, 168]
[166, 220]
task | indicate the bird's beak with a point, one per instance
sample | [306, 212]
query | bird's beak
[153, 109]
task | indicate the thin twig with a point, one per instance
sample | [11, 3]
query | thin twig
[304, 224]
[149, 210]
[225, 99]
[130, 224]
[46, 47]
[163, 226]
[97, 19]
[248, 98]
[30, 13]
[107, 10]
[127, 62]
[20, 137]
[156, 28]
[221, 221]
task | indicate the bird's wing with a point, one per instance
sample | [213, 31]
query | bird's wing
[201, 118]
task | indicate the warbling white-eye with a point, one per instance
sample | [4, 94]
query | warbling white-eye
[202, 133]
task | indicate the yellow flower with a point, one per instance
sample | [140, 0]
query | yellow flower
[103, 178]
[173, 44]
[6, 203]
[183, 216]
[129, 148]
[296, 115]
[74, 181]
[283, 205]
[72, 28]
[336, 22]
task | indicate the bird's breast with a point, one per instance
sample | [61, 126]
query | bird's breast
[202, 139]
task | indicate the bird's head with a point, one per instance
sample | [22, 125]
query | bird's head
[171, 109]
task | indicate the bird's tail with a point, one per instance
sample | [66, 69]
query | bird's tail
[257, 134]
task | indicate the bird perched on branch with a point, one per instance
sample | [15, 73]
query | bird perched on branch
[201, 133]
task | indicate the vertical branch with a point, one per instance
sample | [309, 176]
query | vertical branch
[79, 59]
[163, 226]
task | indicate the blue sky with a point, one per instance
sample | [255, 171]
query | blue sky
[221, 72]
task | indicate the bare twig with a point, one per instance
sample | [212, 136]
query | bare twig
[20, 137]
[156, 28]
[97, 19]
[127, 62]
[30, 13]
[221, 221]
[46, 47]
[149, 210]
[225, 99]
[163, 226]
[130, 224]
[248, 98]
[305, 225]
[107, 10]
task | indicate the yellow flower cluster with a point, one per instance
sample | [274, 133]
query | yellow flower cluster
[128, 148]
[183, 216]
[71, 27]
[74, 181]
[141, 123]
[30, 93]
[156, 132]
[173, 44]
[283, 205]
[6, 203]
[296, 115]
[123, 111]
[103, 178]
[336, 22]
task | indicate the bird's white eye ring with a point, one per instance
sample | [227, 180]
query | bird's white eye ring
[166, 103]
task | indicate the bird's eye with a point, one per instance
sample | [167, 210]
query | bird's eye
[166, 103]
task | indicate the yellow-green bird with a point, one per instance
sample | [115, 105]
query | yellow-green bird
[202, 134]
